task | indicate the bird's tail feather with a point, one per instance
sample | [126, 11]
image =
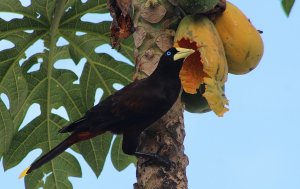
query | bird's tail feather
[73, 126]
[50, 155]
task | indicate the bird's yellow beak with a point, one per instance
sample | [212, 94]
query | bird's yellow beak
[182, 53]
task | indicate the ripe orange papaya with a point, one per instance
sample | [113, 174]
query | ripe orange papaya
[207, 65]
[242, 42]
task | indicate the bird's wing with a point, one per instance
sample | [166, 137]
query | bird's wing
[135, 100]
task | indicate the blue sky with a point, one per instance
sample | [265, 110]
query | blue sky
[256, 144]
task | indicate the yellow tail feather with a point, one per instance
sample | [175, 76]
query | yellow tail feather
[24, 173]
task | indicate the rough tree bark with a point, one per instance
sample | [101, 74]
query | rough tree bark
[155, 23]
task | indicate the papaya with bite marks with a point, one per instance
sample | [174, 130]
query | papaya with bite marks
[242, 42]
[207, 66]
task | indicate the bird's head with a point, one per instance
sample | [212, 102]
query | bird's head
[172, 60]
[173, 55]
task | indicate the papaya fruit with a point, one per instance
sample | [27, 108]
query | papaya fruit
[196, 103]
[242, 42]
[207, 65]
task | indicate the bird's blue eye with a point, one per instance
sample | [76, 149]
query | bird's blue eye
[168, 53]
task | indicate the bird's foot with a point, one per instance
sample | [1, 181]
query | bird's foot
[154, 159]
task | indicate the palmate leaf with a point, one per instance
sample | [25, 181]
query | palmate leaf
[51, 88]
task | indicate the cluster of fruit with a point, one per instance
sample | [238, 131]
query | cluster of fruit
[229, 43]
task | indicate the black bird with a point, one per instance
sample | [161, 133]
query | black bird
[128, 111]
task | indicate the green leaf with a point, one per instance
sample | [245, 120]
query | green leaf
[287, 6]
[6, 129]
[119, 159]
[65, 163]
[99, 67]
[127, 48]
[14, 85]
[40, 11]
[52, 88]
[31, 180]
[95, 151]
[42, 131]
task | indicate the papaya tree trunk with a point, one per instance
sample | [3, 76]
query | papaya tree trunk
[155, 23]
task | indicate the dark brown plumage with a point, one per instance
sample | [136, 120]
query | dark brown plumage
[128, 111]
